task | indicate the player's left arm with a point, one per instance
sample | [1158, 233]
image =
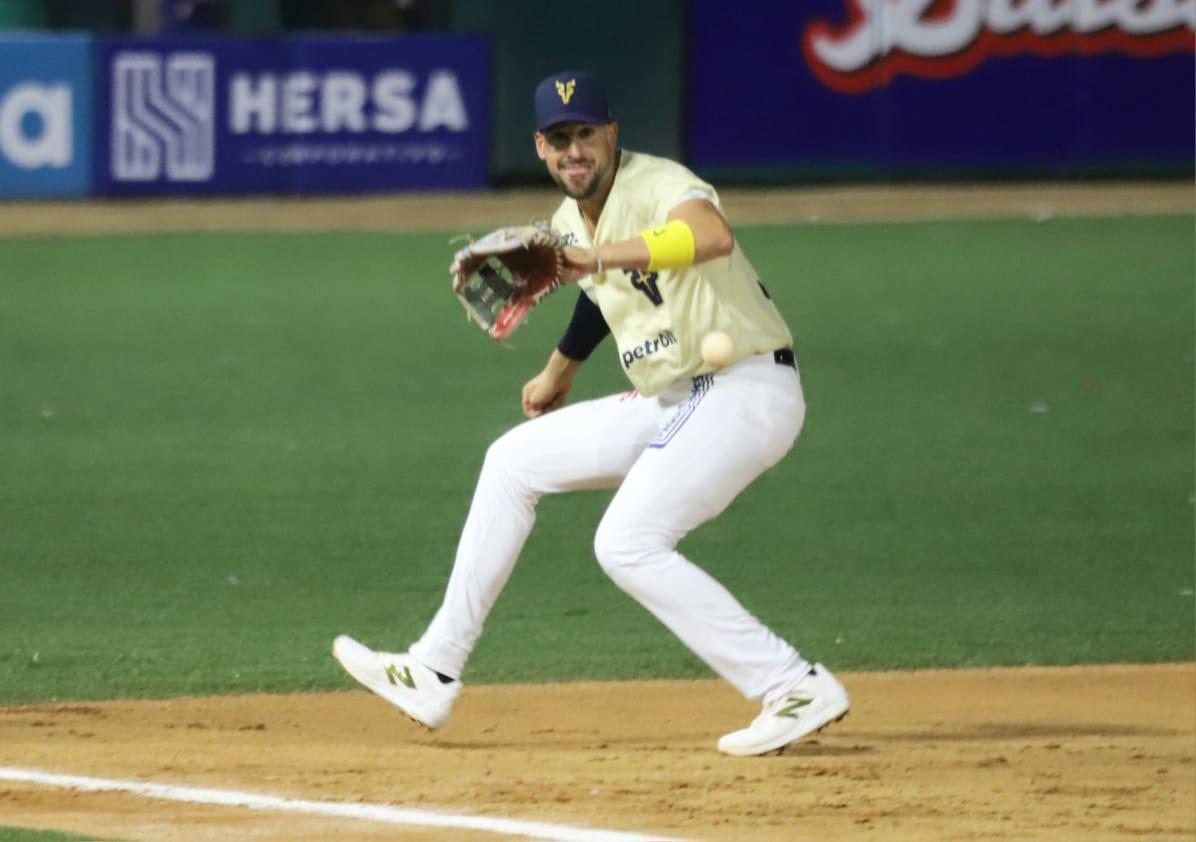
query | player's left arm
[694, 232]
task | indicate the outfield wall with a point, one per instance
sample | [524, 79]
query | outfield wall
[202, 116]
[907, 88]
[821, 90]
[45, 116]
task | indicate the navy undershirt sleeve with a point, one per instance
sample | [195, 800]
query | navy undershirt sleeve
[586, 329]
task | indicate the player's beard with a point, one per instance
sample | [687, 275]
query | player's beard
[587, 191]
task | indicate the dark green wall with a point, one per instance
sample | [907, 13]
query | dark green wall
[637, 48]
[23, 14]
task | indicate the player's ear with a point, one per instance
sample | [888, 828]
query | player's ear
[613, 128]
[541, 144]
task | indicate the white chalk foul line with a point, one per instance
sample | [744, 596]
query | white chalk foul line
[369, 812]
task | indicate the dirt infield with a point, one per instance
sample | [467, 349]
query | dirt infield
[473, 211]
[1098, 753]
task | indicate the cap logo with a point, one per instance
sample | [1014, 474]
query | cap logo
[565, 90]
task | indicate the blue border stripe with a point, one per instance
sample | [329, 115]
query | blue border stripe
[665, 434]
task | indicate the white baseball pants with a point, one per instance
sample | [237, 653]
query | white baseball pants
[678, 459]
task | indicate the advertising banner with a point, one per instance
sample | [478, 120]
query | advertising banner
[316, 115]
[45, 116]
[950, 86]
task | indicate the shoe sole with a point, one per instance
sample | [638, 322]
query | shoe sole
[369, 684]
[779, 749]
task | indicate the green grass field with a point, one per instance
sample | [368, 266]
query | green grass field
[18, 834]
[219, 451]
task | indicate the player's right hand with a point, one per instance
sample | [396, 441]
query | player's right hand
[544, 393]
[548, 389]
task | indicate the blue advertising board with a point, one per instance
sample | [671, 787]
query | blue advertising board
[45, 116]
[920, 86]
[310, 115]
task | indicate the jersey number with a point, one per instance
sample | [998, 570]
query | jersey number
[647, 285]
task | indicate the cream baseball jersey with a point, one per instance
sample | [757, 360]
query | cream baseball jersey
[658, 319]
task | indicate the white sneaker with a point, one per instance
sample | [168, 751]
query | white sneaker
[400, 679]
[815, 702]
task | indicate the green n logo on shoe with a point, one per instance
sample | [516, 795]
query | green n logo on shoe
[394, 676]
[792, 710]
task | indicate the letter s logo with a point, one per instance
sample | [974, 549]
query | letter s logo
[163, 116]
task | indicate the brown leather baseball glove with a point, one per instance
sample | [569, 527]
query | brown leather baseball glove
[502, 276]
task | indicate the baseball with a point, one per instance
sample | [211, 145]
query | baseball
[718, 349]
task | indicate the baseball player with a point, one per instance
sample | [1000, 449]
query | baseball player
[659, 268]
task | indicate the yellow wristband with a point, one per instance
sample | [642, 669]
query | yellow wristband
[670, 246]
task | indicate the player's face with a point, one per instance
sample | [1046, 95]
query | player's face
[580, 156]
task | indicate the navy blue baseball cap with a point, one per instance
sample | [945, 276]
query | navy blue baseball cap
[571, 96]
